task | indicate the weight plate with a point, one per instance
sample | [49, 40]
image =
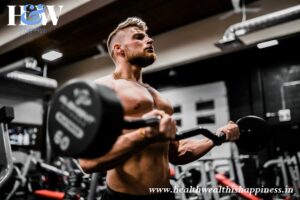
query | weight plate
[74, 118]
[254, 133]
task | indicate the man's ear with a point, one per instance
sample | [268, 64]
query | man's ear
[117, 48]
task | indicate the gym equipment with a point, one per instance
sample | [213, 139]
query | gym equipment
[26, 63]
[6, 163]
[14, 72]
[84, 120]
[254, 133]
[79, 111]
[61, 180]
[223, 180]
[287, 171]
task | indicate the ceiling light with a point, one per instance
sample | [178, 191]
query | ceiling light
[52, 55]
[267, 44]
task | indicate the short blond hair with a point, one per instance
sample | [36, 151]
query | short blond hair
[130, 21]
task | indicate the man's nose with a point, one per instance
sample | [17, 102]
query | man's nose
[150, 40]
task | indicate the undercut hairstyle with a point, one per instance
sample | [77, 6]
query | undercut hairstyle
[130, 21]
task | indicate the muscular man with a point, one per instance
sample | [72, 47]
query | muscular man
[139, 159]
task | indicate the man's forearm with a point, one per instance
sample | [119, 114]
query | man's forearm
[125, 146]
[190, 150]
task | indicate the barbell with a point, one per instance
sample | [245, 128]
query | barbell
[84, 120]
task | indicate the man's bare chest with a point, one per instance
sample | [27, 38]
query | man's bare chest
[139, 99]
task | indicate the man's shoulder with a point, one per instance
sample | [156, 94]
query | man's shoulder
[105, 80]
[151, 88]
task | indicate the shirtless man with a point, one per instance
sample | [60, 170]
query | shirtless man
[140, 158]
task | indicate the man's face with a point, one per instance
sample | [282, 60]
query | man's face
[138, 47]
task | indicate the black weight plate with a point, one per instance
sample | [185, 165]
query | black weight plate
[111, 122]
[74, 118]
[254, 133]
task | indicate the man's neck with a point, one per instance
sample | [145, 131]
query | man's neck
[128, 72]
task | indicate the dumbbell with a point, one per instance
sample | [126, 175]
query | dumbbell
[84, 120]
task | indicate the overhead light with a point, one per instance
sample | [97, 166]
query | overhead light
[267, 44]
[52, 55]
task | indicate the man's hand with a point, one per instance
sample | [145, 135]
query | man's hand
[231, 130]
[165, 131]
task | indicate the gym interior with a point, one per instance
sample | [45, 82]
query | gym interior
[217, 60]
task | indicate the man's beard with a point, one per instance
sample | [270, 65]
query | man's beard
[142, 59]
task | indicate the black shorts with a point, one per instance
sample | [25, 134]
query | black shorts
[109, 194]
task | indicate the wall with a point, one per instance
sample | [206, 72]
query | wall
[26, 100]
[202, 105]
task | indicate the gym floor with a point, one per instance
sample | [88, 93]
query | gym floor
[217, 60]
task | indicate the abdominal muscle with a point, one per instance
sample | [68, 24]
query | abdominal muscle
[149, 168]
